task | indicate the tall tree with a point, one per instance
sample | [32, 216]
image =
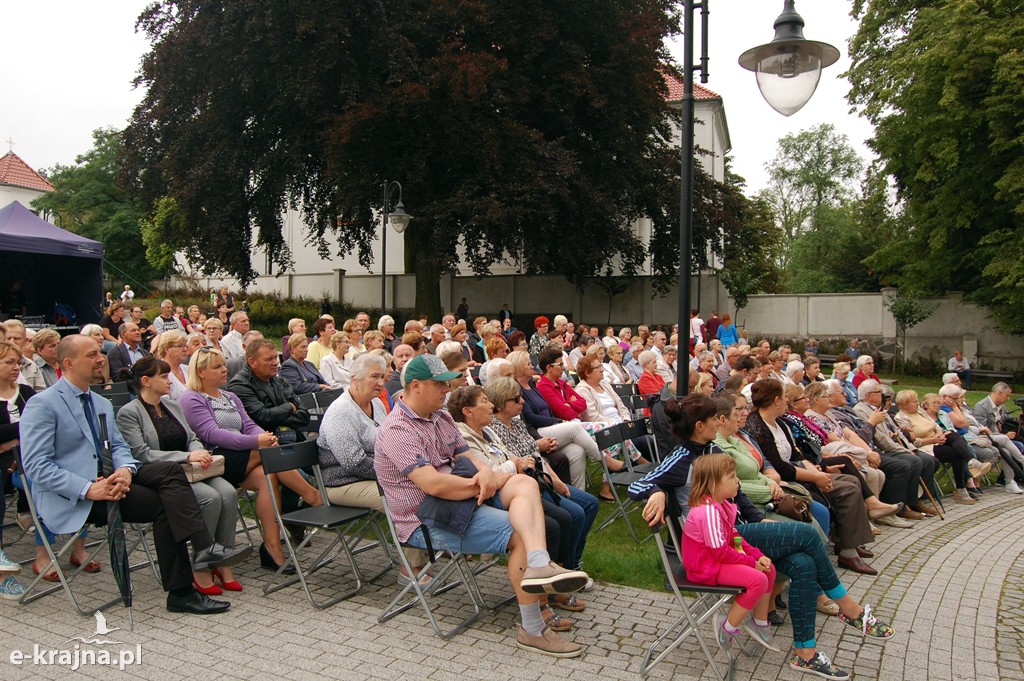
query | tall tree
[813, 170]
[943, 83]
[88, 200]
[534, 128]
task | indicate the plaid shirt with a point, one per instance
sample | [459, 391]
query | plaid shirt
[405, 442]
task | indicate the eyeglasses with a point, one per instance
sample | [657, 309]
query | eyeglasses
[517, 399]
[9, 362]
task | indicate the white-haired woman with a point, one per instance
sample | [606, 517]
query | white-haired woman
[386, 325]
[841, 373]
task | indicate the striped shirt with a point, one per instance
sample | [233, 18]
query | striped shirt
[405, 442]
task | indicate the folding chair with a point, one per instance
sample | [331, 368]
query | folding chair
[246, 508]
[326, 518]
[308, 402]
[624, 390]
[143, 529]
[618, 482]
[465, 577]
[324, 398]
[637, 404]
[108, 389]
[118, 399]
[694, 613]
[64, 578]
[635, 430]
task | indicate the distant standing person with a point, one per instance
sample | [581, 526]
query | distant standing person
[853, 352]
[127, 294]
[503, 314]
[696, 328]
[224, 297]
[726, 332]
[961, 367]
[462, 311]
[712, 324]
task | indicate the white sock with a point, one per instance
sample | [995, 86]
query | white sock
[729, 628]
[533, 623]
[760, 623]
[537, 558]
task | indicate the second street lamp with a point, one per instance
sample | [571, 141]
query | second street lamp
[399, 220]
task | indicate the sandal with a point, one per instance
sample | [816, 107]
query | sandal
[48, 577]
[568, 602]
[556, 622]
[91, 567]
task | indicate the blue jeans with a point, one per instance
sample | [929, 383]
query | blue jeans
[582, 506]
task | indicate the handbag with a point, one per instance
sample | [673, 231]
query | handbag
[795, 503]
[195, 472]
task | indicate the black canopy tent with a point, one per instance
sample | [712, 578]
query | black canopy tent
[54, 266]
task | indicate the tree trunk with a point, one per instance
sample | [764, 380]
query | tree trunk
[428, 274]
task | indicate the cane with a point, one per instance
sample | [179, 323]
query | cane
[935, 505]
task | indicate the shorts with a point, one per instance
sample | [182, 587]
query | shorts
[489, 531]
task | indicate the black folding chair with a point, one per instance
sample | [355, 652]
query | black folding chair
[118, 399]
[325, 518]
[624, 390]
[637, 404]
[618, 482]
[108, 389]
[695, 611]
[324, 398]
[309, 403]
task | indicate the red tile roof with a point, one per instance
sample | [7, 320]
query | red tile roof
[675, 90]
[15, 172]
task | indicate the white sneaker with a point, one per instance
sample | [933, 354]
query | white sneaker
[1013, 488]
[7, 565]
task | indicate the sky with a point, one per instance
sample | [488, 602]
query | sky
[70, 66]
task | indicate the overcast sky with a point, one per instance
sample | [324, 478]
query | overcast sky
[69, 66]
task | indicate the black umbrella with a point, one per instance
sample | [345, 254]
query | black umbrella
[116, 541]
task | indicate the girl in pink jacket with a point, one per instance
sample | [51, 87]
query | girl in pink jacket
[715, 554]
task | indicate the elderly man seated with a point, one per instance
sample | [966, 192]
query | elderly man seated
[989, 444]
[127, 352]
[904, 465]
[991, 413]
[61, 434]
[419, 455]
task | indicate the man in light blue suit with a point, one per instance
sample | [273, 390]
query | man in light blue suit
[64, 460]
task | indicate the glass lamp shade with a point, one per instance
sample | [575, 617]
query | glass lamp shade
[789, 67]
[398, 218]
[788, 73]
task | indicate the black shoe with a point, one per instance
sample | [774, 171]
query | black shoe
[217, 555]
[780, 603]
[195, 604]
[297, 533]
[775, 619]
[973, 493]
[268, 562]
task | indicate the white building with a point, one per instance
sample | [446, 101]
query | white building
[18, 182]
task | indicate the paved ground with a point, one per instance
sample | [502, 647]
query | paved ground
[954, 589]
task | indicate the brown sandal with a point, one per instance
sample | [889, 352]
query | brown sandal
[568, 602]
[556, 622]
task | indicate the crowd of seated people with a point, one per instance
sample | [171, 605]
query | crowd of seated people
[863, 462]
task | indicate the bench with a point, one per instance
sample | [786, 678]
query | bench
[827, 360]
[992, 376]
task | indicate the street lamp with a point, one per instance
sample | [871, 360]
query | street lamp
[399, 220]
[802, 54]
[789, 67]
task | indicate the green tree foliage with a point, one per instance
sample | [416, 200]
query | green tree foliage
[532, 128]
[813, 170]
[943, 83]
[750, 248]
[88, 200]
[908, 311]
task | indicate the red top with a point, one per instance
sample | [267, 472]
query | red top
[565, 403]
[859, 378]
[650, 384]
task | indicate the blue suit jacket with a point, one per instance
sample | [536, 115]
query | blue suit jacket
[59, 456]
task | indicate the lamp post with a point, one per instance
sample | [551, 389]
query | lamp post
[789, 60]
[399, 219]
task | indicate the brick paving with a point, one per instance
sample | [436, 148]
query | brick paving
[954, 590]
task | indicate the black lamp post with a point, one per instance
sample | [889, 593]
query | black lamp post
[789, 61]
[399, 219]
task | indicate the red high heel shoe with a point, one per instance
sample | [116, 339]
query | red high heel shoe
[212, 590]
[231, 585]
